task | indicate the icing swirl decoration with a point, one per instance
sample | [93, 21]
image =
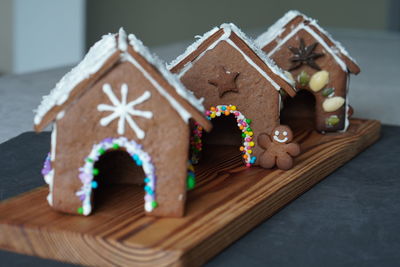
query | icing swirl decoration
[124, 111]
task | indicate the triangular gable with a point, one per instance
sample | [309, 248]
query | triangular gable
[238, 40]
[279, 33]
[113, 48]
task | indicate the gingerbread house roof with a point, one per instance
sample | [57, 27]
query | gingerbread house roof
[231, 34]
[113, 48]
[280, 33]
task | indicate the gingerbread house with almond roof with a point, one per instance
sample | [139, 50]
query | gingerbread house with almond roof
[319, 65]
[235, 78]
[119, 107]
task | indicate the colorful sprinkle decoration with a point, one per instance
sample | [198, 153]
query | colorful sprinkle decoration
[243, 124]
[191, 178]
[87, 172]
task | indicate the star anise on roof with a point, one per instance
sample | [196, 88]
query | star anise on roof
[304, 55]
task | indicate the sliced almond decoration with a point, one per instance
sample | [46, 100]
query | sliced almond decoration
[333, 103]
[319, 80]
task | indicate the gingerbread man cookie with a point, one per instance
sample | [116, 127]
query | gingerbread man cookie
[278, 148]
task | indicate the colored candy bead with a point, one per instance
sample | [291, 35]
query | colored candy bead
[102, 151]
[115, 146]
[154, 204]
[94, 184]
[89, 160]
[233, 107]
[251, 143]
[248, 121]
[95, 171]
[80, 210]
[191, 182]
[223, 108]
[227, 113]
[241, 148]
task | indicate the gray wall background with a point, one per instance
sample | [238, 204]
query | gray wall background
[159, 22]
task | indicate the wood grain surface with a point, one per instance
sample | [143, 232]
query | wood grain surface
[228, 201]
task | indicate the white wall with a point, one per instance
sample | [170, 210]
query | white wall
[44, 34]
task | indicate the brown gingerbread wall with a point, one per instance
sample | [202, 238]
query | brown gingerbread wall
[166, 141]
[337, 77]
[257, 99]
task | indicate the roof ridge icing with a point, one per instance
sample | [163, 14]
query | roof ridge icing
[279, 26]
[228, 28]
[93, 61]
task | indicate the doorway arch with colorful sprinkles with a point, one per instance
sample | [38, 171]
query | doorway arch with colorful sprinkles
[87, 172]
[242, 122]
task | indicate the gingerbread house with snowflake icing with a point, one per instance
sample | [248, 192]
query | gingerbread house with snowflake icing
[235, 78]
[119, 107]
[320, 67]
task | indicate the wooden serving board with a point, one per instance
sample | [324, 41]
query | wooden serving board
[228, 201]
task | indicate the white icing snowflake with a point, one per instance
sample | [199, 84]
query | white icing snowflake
[124, 111]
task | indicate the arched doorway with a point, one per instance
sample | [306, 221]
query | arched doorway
[117, 147]
[299, 112]
[241, 122]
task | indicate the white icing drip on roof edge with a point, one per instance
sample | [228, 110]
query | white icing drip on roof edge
[228, 28]
[98, 54]
[171, 78]
[279, 26]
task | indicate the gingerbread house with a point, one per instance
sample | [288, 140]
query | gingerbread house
[318, 64]
[119, 107]
[235, 78]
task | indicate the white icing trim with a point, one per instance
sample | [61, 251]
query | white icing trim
[276, 29]
[347, 121]
[340, 62]
[98, 54]
[96, 58]
[53, 143]
[185, 115]
[49, 178]
[122, 40]
[171, 78]
[123, 111]
[254, 65]
[228, 28]
[279, 27]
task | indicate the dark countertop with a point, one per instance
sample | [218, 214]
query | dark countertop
[351, 218]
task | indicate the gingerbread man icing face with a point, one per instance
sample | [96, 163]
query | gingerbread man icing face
[282, 134]
[278, 148]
